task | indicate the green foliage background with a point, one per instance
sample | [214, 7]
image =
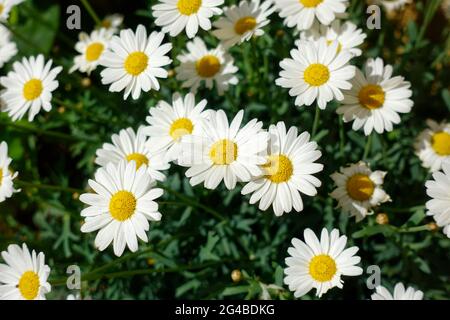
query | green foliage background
[204, 235]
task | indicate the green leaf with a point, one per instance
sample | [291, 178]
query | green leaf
[37, 35]
[446, 98]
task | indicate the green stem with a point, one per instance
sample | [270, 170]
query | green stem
[316, 122]
[193, 203]
[415, 229]
[123, 274]
[26, 184]
[341, 136]
[430, 11]
[410, 209]
[59, 135]
[91, 12]
[367, 147]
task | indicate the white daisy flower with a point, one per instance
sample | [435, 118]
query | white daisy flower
[6, 176]
[175, 15]
[122, 202]
[169, 123]
[376, 98]
[8, 48]
[316, 73]
[391, 5]
[25, 274]
[288, 171]
[320, 264]
[133, 61]
[5, 8]
[358, 190]
[242, 22]
[131, 146]
[348, 36]
[29, 87]
[112, 22]
[439, 190]
[433, 145]
[200, 64]
[225, 151]
[303, 13]
[399, 293]
[91, 47]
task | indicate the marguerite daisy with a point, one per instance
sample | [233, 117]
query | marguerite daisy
[24, 276]
[358, 190]
[347, 35]
[303, 13]
[316, 72]
[225, 151]
[8, 48]
[175, 15]
[169, 123]
[399, 293]
[6, 176]
[376, 98]
[91, 48]
[112, 22]
[6, 6]
[439, 190]
[133, 61]
[433, 145]
[320, 264]
[242, 22]
[200, 64]
[288, 171]
[131, 146]
[29, 87]
[122, 202]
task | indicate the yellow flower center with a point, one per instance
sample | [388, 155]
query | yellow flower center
[360, 187]
[29, 285]
[322, 268]
[316, 74]
[1, 176]
[207, 66]
[32, 89]
[136, 63]
[441, 143]
[188, 7]
[181, 127]
[1, 8]
[122, 205]
[371, 96]
[245, 24]
[310, 3]
[279, 168]
[139, 158]
[93, 51]
[223, 152]
[339, 48]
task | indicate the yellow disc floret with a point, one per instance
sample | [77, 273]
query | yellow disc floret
[360, 187]
[223, 152]
[279, 168]
[122, 205]
[316, 74]
[322, 268]
[136, 63]
[29, 285]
